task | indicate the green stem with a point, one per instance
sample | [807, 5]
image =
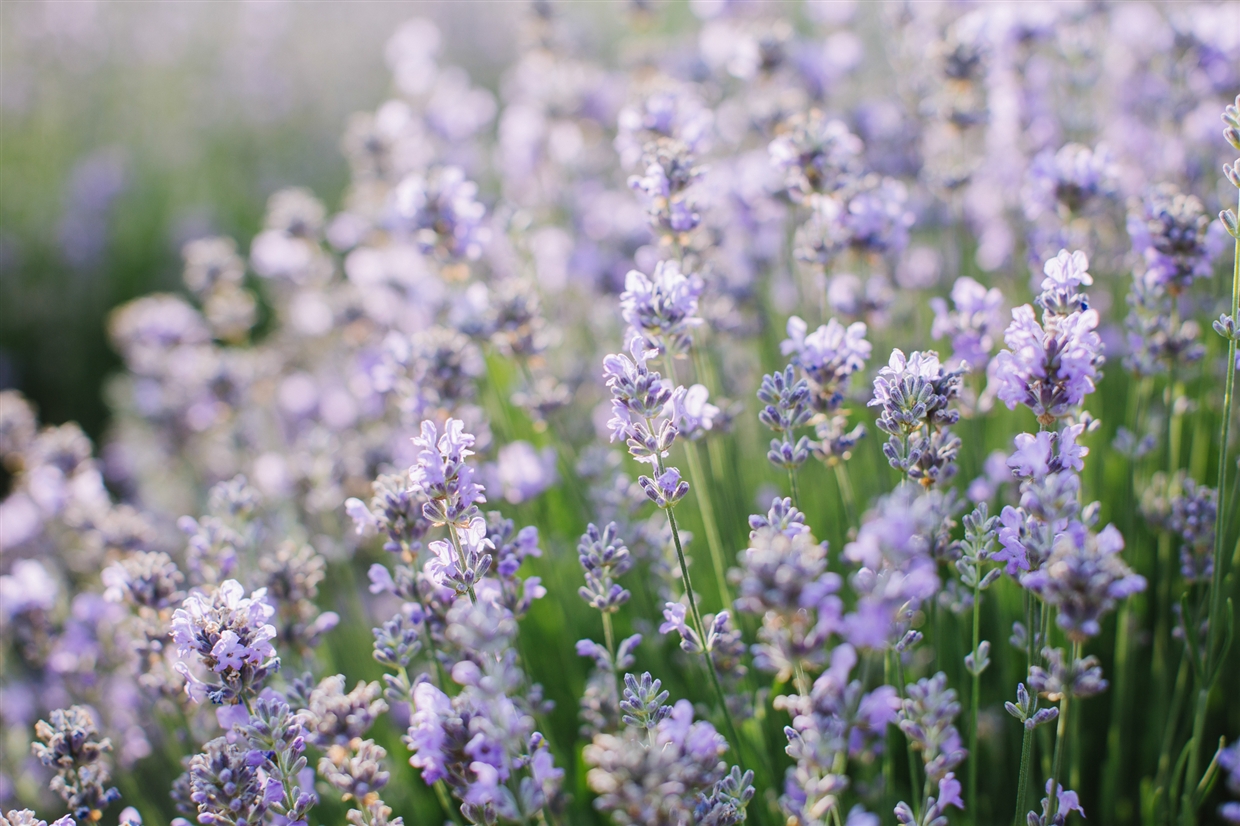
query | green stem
[1060, 738]
[1217, 576]
[846, 495]
[1189, 803]
[1022, 789]
[974, 698]
[701, 489]
[792, 484]
[701, 629]
[912, 758]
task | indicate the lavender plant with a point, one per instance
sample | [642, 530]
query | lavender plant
[542, 299]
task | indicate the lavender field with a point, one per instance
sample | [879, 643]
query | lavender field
[647, 413]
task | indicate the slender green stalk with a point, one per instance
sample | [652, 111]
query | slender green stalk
[1022, 788]
[1210, 671]
[792, 484]
[701, 629]
[700, 485]
[846, 495]
[1060, 738]
[912, 758]
[974, 698]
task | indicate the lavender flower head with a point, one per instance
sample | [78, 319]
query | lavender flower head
[1052, 366]
[231, 636]
[1084, 578]
[815, 154]
[828, 356]
[70, 745]
[973, 325]
[461, 570]
[442, 476]
[1069, 179]
[440, 212]
[642, 413]
[1172, 233]
[913, 394]
[662, 307]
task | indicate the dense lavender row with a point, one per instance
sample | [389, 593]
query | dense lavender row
[990, 585]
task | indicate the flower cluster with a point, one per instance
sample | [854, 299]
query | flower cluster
[230, 635]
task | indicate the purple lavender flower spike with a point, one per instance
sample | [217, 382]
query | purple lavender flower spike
[439, 212]
[1175, 237]
[1050, 370]
[71, 747]
[973, 325]
[663, 306]
[442, 476]
[231, 636]
[1084, 578]
[461, 571]
[828, 356]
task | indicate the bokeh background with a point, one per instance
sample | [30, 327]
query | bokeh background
[129, 128]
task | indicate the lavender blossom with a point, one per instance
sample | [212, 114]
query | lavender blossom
[604, 558]
[1171, 232]
[662, 307]
[1069, 179]
[972, 326]
[834, 721]
[231, 636]
[783, 579]
[828, 356]
[925, 717]
[71, 747]
[1083, 578]
[439, 211]
[913, 394]
[395, 511]
[1050, 370]
[656, 769]
[670, 169]
[226, 785]
[461, 563]
[442, 476]
[786, 407]
[815, 155]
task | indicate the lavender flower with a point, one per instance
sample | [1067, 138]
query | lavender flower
[786, 407]
[1069, 179]
[1171, 232]
[70, 745]
[226, 785]
[973, 325]
[913, 394]
[828, 356]
[1066, 802]
[815, 154]
[332, 716]
[601, 702]
[654, 771]
[604, 558]
[442, 476]
[897, 546]
[231, 636]
[662, 307]
[278, 740]
[783, 579]
[925, 717]
[439, 211]
[1051, 370]
[461, 563]
[670, 170]
[1083, 578]
[395, 511]
[834, 721]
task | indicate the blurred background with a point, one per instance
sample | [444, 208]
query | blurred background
[129, 128]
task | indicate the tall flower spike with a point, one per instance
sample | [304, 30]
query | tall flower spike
[231, 636]
[912, 395]
[71, 747]
[662, 307]
[442, 476]
[1050, 370]
[828, 356]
